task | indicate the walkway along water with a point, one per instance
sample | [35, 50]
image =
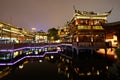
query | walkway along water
[12, 53]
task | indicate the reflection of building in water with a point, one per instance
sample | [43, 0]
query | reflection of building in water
[68, 69]
[82, 68]
[4, 71]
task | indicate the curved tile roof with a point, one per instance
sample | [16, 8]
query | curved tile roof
[113, 25]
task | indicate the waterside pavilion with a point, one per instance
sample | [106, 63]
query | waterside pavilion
[113, 29]
[87, 32]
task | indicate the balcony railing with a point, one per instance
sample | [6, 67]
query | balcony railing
[92, 44]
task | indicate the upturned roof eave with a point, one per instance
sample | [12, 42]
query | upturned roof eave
[113, 25]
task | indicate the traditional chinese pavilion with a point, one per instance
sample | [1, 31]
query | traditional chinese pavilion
[86, 29]
[112, 29]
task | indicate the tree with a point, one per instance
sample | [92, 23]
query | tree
[53, 34]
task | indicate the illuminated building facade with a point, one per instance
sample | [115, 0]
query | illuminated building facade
[41, 37]
[63, 33]
[11, 33]
[112, 32]
[86, 28]
[14, 33]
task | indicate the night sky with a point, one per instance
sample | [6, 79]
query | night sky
[46, 14]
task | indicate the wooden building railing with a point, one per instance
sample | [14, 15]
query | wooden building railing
[92, 44]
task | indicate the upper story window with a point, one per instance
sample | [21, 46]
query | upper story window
[89, 21]
[84, 27]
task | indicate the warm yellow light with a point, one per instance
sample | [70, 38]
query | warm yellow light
[115, 56]
[107, 67]
[66, 68]
[98, 72]
[113, 40]
[36, 52]
[21, 66]
[110, 52]
[40, 60]
[59, 70]
[1, 25]
[68, 75]
[67, 60]
[77, 39]
[15, 53]
[51, 57]
[89, 73]
[12, 31]
[58, 48]
[33, 29]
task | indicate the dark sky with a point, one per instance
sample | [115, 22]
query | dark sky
[45, 14]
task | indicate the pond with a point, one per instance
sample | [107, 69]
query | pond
[59, 67]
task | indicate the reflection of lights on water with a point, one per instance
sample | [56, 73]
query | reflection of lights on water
[68, 75]
[51, 57]
[25, 62]
[40, 60]
[89, 73]
[107, 67]
[20, 66]
[98, 72]
[58, 69]
[81, 74]
[110, 52]
[115, 57]
[92, 68]
[0, 71]
[67, 60]
[66, 68]
[77, 69]
[47, 58]
[62, 59]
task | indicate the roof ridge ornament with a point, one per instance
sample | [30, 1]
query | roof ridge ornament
[90, 13]
[75, 9]
[109, 11]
